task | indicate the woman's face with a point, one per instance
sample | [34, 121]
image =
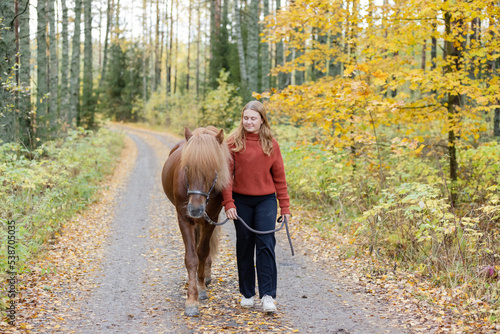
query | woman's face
[252, 121]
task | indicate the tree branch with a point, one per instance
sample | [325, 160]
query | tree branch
[18, 14]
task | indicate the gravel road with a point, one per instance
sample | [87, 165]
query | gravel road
[140, 285]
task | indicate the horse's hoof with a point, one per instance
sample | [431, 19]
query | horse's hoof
[191, 311]
[208, 280]
[202, 295]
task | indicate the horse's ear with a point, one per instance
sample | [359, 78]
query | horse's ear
[220, 136]
[187, 133]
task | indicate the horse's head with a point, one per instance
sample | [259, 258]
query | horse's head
[205, 160]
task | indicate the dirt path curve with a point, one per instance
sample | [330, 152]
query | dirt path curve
[140, 285]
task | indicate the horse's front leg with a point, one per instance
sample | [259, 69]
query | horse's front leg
[191, 261]
[206, 231]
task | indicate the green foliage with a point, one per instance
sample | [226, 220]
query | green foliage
[123, 84]
[222, 106]
[479, 170]
[397, 204]
[41, 189]
[175, 114]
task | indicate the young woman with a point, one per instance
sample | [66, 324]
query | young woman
[258, 179]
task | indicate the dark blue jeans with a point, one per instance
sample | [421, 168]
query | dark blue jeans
[259, 212]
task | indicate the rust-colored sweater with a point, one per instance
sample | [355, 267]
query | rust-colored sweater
[257, 174]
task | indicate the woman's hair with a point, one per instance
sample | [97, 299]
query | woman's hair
[237, 137]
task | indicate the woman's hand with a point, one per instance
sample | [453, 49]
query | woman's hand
[287, 217]
[231, 214]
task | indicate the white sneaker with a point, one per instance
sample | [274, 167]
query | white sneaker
[268, 304]
[246, 302]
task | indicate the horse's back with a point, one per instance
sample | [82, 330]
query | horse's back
[170, 172]
[179, 144]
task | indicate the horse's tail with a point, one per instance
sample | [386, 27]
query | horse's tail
[214, 242]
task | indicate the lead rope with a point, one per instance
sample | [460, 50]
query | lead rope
[283, 221]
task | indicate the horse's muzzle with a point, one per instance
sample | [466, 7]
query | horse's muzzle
[195, 211]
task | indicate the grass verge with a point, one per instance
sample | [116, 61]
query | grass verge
[42, 188]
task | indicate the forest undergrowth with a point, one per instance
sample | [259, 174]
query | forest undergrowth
[394, 210]
[41, 189]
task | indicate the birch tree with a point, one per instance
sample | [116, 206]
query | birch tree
[280, 55]
[74, 88]
[53, 68]
[7, 73]
[253, 46]
[198, 50]
[170, 48]
[87, 118]
[176, 73]
[188, 45]
[158, 53]
[109, 19]
[239, 42]
[215, 18]
[24, 75]
[42, 75]
[265, 60]
[64, 62]
[144, 55]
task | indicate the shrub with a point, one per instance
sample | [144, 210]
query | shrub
[41, 189]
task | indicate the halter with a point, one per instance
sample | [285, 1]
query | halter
[199, 192]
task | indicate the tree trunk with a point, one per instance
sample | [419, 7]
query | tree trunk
[239, 42]
[322, 39]
[494, 72]
[424, 56]
[265, 61]
[188, 65]
[64, 64]
[8, 50]
[206, 70]
[42, 75]
[117, 19]
[88, 106]
[53, 70]
[167, 55]
[109, 19]
[198, 51]
[24, 99]
[453, 55]
[176, 44]
[253, 46]
[170, 49]
[157, 49]
[475, 38]
[214, 59]
[496, 123]
[433, 48]
[280, 56]
[335, 66]
[74, 88]
[299, 76]
[144, 46]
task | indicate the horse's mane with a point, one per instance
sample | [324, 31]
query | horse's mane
[203, 155]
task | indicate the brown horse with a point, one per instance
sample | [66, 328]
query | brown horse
[196, 171]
